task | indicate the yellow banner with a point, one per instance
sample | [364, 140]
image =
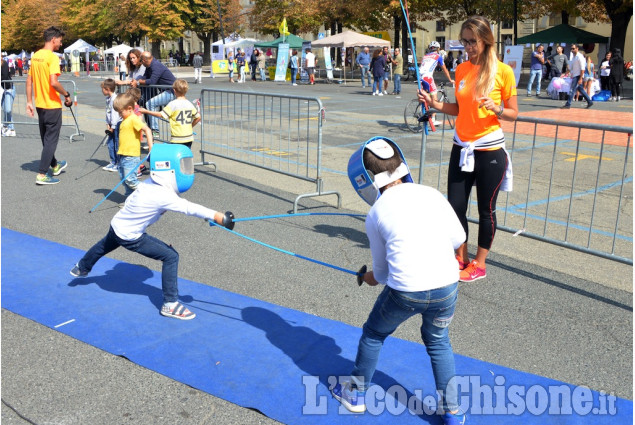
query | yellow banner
[379, 34]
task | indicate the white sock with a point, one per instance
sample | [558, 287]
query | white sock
[170, 305]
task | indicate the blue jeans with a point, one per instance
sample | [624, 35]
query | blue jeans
[397, 83]
[579, 87]
[534, 73]
[392, 308]
[113, 145]
[377, 84]
[155, 103]
[125, 165]
[263, 77]
[294, 74]
[7, 106]
[147, 246]
[365, 74]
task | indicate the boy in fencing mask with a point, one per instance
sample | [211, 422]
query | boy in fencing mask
[171, 173]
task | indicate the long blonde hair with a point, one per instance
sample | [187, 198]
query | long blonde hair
[488, 60]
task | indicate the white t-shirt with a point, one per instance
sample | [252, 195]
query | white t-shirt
[310, 60]
[147, 204]
[413, 232]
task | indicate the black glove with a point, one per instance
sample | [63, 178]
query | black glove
[360, 275]
[228, 220]
[109, 132]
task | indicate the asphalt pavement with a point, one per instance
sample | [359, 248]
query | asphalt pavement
[542, 309]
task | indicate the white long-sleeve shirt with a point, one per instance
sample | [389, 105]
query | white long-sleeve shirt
[413, 232]
[146, 205]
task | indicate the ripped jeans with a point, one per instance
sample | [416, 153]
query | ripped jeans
[391, 309]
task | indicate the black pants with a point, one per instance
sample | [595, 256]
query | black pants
[489, 170]
[616, 88]
[50, 121]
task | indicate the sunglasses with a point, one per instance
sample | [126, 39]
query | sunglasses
[466, 43]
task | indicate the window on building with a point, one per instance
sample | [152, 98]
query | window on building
[440, 26]
[507, 25]
[441, 41]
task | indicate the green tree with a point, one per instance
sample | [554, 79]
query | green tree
[206, 23]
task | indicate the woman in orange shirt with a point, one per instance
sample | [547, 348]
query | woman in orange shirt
[485, 94]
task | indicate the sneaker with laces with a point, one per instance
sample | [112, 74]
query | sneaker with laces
[453, 418]
[58, 168]
[110, 167]
[178, 311]
[351, 398]
[76, 272]
[46, 179]
[10, 132]
[462, 264]
[472, 272]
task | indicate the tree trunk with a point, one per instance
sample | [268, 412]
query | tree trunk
[397, 21]
[619, 24]
[206, 38]
[405, 41]
[156, 49]
[333, 32]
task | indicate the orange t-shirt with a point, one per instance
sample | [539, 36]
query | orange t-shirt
[45, 63]
[474, 122]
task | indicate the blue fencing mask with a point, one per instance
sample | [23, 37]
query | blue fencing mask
[367, 184]
[172, 165]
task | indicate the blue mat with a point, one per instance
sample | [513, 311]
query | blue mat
[266, 357]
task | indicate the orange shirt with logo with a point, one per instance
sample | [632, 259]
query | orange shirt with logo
[474, 122]
[45, 63]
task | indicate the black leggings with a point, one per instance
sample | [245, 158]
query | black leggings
[489, 170]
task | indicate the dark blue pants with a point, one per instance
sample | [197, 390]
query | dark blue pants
[147, 246]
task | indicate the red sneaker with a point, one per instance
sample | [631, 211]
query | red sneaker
[462, 264]
[472, 272]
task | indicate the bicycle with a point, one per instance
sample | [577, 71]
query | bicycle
[414, 117]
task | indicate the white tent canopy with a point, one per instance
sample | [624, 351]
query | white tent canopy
[350, 39]
[231, 44]
[81, 46]
[120, 49]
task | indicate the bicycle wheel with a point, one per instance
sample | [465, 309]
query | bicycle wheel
[411, 115]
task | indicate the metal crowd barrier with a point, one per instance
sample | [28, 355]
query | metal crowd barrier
[275, 132]
[18, 109]
[573, 184]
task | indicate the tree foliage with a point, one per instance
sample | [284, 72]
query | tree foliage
[24, 21]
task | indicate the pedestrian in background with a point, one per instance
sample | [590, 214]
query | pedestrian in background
[363, 60]
[293, 63]
[578, 65]
[397, 71]
[605, 71]
[262, 64]
[197, 63]
[537, 61]
[616, 76]
[8, 96]
[377, 66]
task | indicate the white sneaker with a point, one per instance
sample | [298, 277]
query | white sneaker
[294, 84]
[4, 130]
[618, 99]
[10, 133]
[374, 93]
[380, 94]
[384, 92]
[437, 122]
[110, 167]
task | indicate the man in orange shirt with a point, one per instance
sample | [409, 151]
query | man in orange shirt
[42, 81]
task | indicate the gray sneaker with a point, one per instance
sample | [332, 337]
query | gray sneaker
[47, 179]
[76, 272]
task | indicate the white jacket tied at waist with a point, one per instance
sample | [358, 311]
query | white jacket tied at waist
[491, 140]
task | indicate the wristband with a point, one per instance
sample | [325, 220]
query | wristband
[500, 113]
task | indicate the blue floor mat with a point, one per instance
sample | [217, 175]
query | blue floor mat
[263, 356]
